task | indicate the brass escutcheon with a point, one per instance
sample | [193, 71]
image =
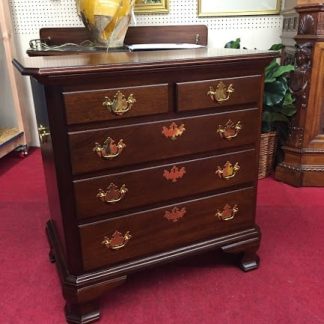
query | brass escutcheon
[174, 174]
[221, 93]
[43, 133]
[109, 149]
[230, 130]
[228, 213]
[175, 214]
[112, 194]
[228, 171]
[173, 131]
[119, 105]
[117, 240]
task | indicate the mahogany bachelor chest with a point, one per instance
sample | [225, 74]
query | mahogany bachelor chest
[148, 157]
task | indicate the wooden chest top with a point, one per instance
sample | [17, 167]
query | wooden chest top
[101, 62]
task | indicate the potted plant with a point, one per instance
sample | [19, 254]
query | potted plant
[278, 109]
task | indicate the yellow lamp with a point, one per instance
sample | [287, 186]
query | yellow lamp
[107, 20]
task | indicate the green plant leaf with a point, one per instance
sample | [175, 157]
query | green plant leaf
[289, 110]
[266, 116]
[288, 100]
[278, 117]
[270, 70]
[275, 70]
[233, 43]
[276, 47]
[283, 69]
[271, 117]
[274, 93]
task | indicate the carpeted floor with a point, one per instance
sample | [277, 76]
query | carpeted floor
[288, 288]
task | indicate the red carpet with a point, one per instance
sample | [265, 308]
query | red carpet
[287, 288]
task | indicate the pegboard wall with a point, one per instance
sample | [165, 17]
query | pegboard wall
[30, 15]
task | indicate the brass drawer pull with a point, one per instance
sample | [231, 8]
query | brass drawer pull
[221, 93]
[119, 105]
[174, 174]
[117, 241]
[109, 149]
[175, 214]
[230, 130]
[228, 213]
[43, 133]
[228, 171]
[112, 193]
[173, 131]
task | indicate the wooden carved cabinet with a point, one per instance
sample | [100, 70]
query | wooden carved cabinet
[149, 157]
[303, 163]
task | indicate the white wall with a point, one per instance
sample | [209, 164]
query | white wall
[30, 15]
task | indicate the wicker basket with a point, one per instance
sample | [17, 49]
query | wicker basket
[268, 146]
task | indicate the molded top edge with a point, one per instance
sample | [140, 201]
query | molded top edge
[119, 61]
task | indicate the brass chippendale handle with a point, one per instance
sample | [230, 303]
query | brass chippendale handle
[119, 105]
[228, 171]
[112, 194]
[109, 149]
[43, 133]
[175, 214]
[173, 131]
[230, 130]
[174, 174]
[117, 240]
[228, 213]
[221, 93]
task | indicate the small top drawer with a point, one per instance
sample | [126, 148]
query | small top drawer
[107, 104]
[217, 93]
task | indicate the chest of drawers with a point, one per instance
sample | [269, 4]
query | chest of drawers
[148, 157]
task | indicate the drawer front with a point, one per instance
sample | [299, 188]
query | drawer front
[126, 145]
[115, 192]
[141, 234]
[161, 229]
[100, 105]
[218, 93]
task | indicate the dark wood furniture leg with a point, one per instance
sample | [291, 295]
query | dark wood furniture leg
[246, 250]
[250, 260]
[82, 313]
[81, 292]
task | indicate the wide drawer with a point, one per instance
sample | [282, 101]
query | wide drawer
[109, 148]
[121, 191]
[151, 231]
[218, 93]
[107, 104]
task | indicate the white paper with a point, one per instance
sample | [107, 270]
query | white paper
[162, 46]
